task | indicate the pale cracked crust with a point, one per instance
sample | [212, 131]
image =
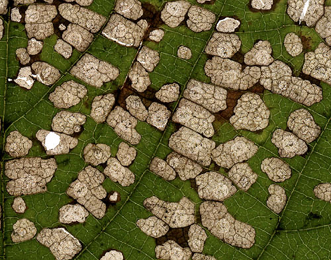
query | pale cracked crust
[25, 78]
[113, 255]
[302, 124]
[158, 115]
[148, 58]
[197, 256]
[184, 52]
[234, 151]
[194, 117]
[19, 205]
[184, 167]
[276, 169]
[262, 4]
[293, 44]
[126, 154]
[174, 13]
[230, 74]
[66, 142]
[243, 176]
[277, 77]
[209, 96]
[29, 175]
[88, 191]
[197, 237]
[3, 6]
[45, 73]
[139, 77]
[123, 31]
[153, 227]
[23, 56]
[63, 48]
[40, 13]
[136, 107]
[130, 9]
[40, 31]
[313, 14]
[277, 199]
[288, 144]
[162, 168]
[170, 250]
[323, 25]
[168, 93]
[175, 214]
[94, 71]
[78, 37]
[214, 186]
[68, 94]
[101, 107]
[200, 19]
[34, 46]
[17, 145]
[156, 35]
[220, 223]
[227, 25]
[67, 122]
[323, 191]
[260, 54]
[224, 45]
[192, 145]
[62, 244]
[250, 113]
[86, 18]
[72, 214]
[23, 230]
[124, 125]
[118, 173]
[96, 154]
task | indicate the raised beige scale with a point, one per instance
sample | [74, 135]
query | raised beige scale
[276, 169]
[123, 31]
[184, 52]
[288, 144]
[15, 15]
[25, 78]
[277, 199]
[227, 25]
[88, 191]
[277, 77]
[29, 175]
[323, 26]
[192, 145]
[214, 186]
[156, 35]
[220, 223]
[34, 46]
[126, 154]
[101, 107]
[80, 2]
[45, 73]
[197, 256]
[200, 19]
[67, 122]
[56, 143]
[194, 117]
[293, 44]
[308, 11]
[231, 74]
[234, 151]
[317, 64]
[184, 167]
[262, 4]
[130, 9]
[118, 173]
[168, 93]
[23, 230]
[209, 96]
[260, 54]
[250, 113]
[175, 214]
[96, 154]
[148, 58]
[170, 250]
[114, 197]
[69, 94]
[323, 191]
[302, 124]
[196, 238]
[139, 77]
[84, 17]
[72, 214]
[78, 37]
[3, 6]
[124, 125]
[113, 255]
[17, 145]
[224, 45]
[19, 205]
[23, 2]
[23, 56]
[62, 244]
[63, 48]
[94, 71]
[158, 115]
[162, 168]
[136, 107]
[174, 12]
[243, 176]
[153, 227]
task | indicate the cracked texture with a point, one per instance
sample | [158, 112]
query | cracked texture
[200, 19]
[224, 45]
[101, 107]
[277, 199]
[96, 154]
[276, 169]
[184, 167]
[153, 227]
[118, 173]
[68, 122]
[17, 145]
[243, 176]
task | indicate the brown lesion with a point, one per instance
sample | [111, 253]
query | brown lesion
[179, 235]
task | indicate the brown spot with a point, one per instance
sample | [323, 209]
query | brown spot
[179, 235]
[310, 78]
[152, 16]
[118, 199]
[306, 42]
[231, 102]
